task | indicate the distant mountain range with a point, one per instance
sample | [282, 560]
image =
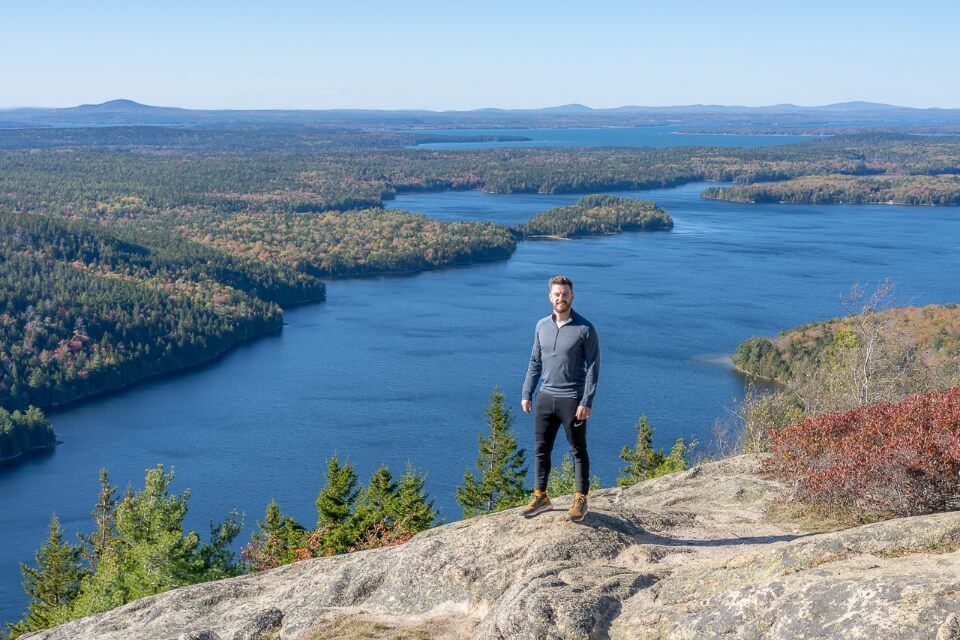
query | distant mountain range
[130, 113]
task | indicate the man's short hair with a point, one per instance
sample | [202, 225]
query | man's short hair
[560, 280]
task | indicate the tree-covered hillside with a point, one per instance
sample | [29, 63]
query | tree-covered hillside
[930, 334]
[83, 310]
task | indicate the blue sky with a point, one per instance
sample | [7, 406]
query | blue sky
[446, 55]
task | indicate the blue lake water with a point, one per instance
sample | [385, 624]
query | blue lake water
[398, 369]
[653, 136]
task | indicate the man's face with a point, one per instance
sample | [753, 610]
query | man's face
[561, 297]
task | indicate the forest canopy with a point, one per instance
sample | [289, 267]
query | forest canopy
[129, 252]
[836, 189]
[598, 214]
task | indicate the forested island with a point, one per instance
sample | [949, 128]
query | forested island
[938, 189]
[597, 214]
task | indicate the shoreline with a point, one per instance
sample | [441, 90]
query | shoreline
[459, 264]
[10, 461]
[175, 371]
[753, 377]
[888, 203]
[69, 404]
[53, 409]
[763, 135]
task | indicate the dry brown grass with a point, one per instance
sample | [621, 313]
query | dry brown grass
[809, 518]
[366, 627]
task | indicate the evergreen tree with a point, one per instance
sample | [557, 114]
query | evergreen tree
[412, 507]
[644, 462]
[642, 458]
[52, 585]
[335, 506]
[152, 552]
[23, 431]
[104, 515]
[378, 505]
[563, 480]
[500, 466]
[217, 559]
[276, 541]
[676, 460]
[391, 512]
[151, 525]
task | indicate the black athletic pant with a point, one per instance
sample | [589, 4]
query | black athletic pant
[549, 414]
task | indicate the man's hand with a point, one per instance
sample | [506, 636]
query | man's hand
[583, 412]
[526, 405]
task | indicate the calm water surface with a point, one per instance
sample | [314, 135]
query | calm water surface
[654, 136]
[399, 369]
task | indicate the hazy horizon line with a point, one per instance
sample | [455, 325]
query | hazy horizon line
[486, 108]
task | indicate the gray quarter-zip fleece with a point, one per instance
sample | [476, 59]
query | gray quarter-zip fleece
[565, 359]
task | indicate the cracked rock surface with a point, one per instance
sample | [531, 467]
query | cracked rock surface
[683, 556]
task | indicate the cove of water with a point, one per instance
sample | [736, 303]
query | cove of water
[397, 369]
[652, 136]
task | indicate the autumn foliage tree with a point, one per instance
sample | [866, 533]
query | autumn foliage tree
[888, 459]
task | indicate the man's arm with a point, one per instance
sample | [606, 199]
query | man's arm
[533, 372]
[591, 355]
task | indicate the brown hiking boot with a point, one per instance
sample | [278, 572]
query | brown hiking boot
[537, 505]
[579, 509]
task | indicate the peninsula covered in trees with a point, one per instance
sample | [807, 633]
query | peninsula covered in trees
[839, 189]
[342, 243]
[927, 338]
[22, 432]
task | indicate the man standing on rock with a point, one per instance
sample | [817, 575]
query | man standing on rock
[566, 358]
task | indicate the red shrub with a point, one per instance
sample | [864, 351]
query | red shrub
[881, 460]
